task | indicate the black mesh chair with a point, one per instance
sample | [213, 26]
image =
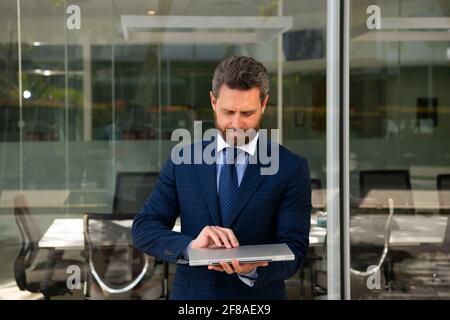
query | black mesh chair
[359, 277]
[316, 184]
[387, 184]
[443, 187]
[318, 199]
[132, 188]
[382, 181]
[311, 258]
[47, 277]
[116, 269]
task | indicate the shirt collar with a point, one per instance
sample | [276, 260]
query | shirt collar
[250, 147]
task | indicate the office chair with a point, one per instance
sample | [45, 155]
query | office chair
[360, 277]
[443, 187]
[116, 269]
[316, 184]
[132, 189]
[48, 277]
[380, 180]
[311, 258]
[442, 256]
[428, 269]
[384, 181]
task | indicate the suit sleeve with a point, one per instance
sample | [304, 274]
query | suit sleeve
[292, 226]
[152, 227]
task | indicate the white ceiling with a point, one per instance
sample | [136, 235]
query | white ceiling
[43, 20]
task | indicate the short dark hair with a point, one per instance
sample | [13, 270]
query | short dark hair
[243, 73]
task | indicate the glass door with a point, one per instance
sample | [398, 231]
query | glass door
[399, 153]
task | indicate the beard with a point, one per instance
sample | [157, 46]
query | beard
[240, 136]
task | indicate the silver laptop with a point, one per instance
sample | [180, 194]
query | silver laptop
[256, 253]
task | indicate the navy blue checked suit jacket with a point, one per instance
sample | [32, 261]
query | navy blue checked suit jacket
[269, 209]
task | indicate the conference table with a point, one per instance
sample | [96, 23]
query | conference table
[407, 230]
[67, 234]
[417, 200]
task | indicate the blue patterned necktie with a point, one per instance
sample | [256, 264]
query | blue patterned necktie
[228, 186]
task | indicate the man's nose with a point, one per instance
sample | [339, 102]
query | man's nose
[237, 121]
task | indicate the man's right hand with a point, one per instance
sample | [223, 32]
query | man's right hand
[215, 237]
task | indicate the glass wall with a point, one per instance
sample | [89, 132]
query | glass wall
[399, 115]
[90, 90]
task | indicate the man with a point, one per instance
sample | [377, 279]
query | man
[230, 203]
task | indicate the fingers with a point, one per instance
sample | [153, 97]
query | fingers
[224, 267]
[222, 237]
[247, 267]
[209, 232]
[262, 264]
[231, 236]
[228, 269]
[237, 267]
[216, 268]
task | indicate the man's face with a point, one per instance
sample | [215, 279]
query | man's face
[236, 111]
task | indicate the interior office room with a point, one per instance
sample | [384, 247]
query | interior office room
[91, 91]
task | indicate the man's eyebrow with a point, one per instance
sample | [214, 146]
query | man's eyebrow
[228, 109]
[231, 109]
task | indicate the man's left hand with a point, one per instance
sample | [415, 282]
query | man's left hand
[236, 267]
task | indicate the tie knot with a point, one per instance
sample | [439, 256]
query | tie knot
[230, 154]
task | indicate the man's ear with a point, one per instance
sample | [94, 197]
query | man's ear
[213, 100]
[264, 103]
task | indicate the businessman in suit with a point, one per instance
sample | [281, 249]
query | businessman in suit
[230, 203]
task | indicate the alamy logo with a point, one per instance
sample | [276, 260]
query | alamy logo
[74, 280]
[73, 21]
[373, 22]
[374, 280]
[182, 153]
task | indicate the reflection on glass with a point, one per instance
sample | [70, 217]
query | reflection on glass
[99, 103]
[399, 106]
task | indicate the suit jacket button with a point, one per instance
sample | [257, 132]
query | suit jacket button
[168, 252]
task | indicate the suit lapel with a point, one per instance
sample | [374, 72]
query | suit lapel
[208, 182]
